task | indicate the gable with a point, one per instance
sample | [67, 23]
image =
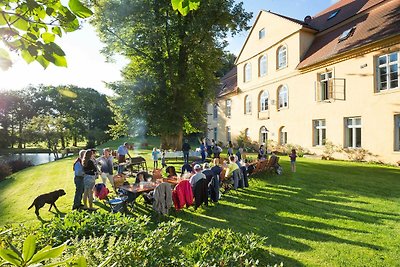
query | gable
[277, 29]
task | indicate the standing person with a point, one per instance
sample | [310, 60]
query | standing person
[239, 153]
[89, 179]
[217, 151]
[203, 151]
[106, 162]
[163, 160]
[208, 146]
[122, 152]
[261, 152]
[186, 149]
[78, 180]
[154, 156]
[293, 157]
[230, 148]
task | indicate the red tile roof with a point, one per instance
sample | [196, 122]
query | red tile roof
[374, 24]
[228, 83]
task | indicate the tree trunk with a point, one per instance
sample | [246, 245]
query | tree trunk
[62, 142]
[172, 141]
[75, 142]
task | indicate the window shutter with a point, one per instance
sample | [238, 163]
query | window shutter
[330, 88]
[317, 88]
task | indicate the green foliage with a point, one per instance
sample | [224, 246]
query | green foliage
[28, 257]
[223, 247]
[82, 224]
[5, 170]
[30, 27]
[173, 60]
[185, 6]
[246, 143]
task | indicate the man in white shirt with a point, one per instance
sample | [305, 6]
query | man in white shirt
[198, 175]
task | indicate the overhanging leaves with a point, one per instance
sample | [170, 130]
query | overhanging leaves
[79, 9]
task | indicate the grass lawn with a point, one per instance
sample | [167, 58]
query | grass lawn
[329, 213]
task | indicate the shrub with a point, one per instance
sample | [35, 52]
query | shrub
[18, 165]
[329, 149]
[356, 154]
[83, 224]
[5, 170]
[245, 142]
[223, 247]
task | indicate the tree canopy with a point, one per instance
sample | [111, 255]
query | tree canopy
[173, 60]
[30, 28]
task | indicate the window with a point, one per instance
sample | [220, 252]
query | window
[247, 72]
[264, 101]
[247, 105]
[247, 133]
[215, 134]
[325, 89]
[228, 107]
[397, 132]
[282, 136]
[346, 34]
[319, 130]
[388, 71]
[262, 63]
[333, 14]
[283, 97]
[282, 57]
[228, 134]
[263, 135]
[261, 33]
[353, 132]
[215, 112]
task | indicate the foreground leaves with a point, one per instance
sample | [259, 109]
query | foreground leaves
[30, 28]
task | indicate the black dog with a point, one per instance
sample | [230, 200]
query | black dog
[49, 198]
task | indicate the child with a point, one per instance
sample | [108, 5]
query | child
[154, 156]
[163, 163]
[293, 157]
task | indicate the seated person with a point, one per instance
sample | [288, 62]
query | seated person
[198, 175]
[171, 172]
[186, 168]
[208, 172]
[142, 177]
[231, 166]
[216, 169]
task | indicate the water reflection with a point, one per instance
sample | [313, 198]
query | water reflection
[34, 158]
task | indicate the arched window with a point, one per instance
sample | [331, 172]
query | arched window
[247, 133]
[247, 72]
[283, 97]
[263, 135]
[282, 136]
[282, 57]
[264, 101]
[262, 63]
[247, 105]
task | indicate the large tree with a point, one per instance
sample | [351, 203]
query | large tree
[173, 60]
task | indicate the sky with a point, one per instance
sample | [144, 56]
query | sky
[87, 67]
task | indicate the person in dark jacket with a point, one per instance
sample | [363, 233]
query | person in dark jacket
[186, 149]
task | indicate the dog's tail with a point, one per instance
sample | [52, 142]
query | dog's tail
[31, 206]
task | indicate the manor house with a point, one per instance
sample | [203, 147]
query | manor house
[330, 77]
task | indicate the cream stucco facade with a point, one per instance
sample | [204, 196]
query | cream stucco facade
[347, 108]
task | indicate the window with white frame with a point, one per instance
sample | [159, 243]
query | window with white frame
[264, 101]
[319, 130]
[263, 135]
[228, 134]
[283, 97]
[228, 107]
[247, 105]
[325, 88]
[247, 133]
[282, 57]
[262, 63]
[215, 134]
[353, 132]
[215, 112]
[261, 33]
[247, 72]
[282, 136]
[388, 71]
[397, 132]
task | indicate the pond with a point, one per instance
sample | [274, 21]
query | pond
[34, 158]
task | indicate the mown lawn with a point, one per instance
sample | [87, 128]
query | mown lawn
[329, 213]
